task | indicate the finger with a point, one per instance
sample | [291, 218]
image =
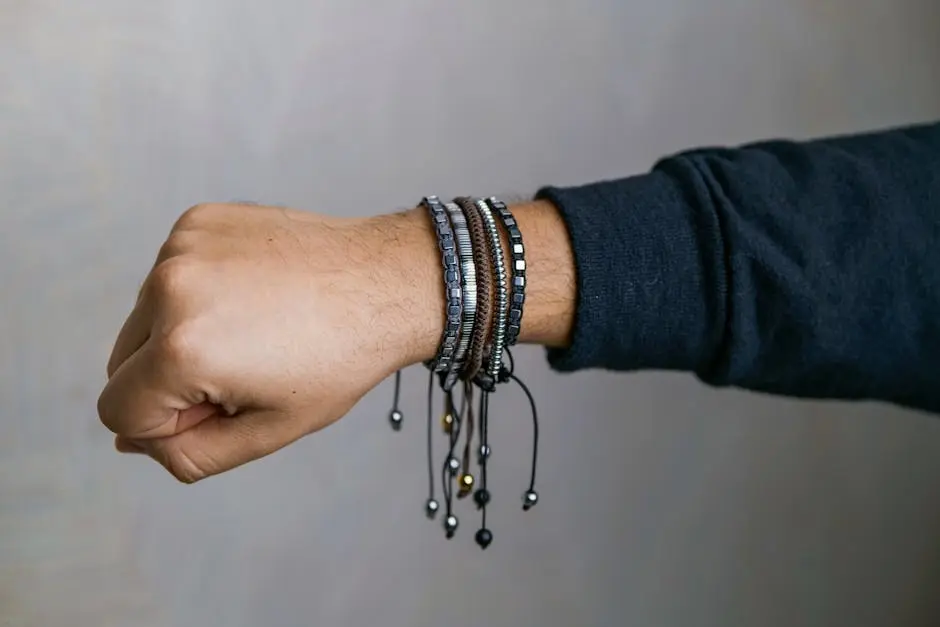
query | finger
[178, 243]
[124, 445]
[188, 418]
[139, 323]
[148, 395]
[133, 334]
[220, 443]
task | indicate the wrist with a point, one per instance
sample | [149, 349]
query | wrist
[405, 268]
[551, 287]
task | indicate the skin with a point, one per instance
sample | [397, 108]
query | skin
[260, 325]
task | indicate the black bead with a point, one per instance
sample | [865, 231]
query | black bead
[431, 507]
[395, 419]
[484, 537]
[481, 497]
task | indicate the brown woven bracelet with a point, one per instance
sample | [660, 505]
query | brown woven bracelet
[481, 259]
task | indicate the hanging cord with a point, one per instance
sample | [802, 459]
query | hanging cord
[485, 446]
[450, 425]
[395, 416]
[511, 360]
[466, 479]
[535, 436]
[531, 497]
[451, 464]
[431, 506]
[482, 496]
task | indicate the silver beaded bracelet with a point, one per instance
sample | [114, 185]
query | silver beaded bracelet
[468, 284]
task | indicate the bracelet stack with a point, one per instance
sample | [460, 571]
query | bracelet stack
[484, 297]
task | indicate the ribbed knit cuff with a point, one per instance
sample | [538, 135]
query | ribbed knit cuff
[649, 272]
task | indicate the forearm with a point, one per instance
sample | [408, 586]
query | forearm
[798, 269]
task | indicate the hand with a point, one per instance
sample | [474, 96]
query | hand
[260, 325]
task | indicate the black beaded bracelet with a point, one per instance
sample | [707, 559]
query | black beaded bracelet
[518, 268]
[453, 294]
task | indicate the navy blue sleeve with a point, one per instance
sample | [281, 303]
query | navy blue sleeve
[802, 269]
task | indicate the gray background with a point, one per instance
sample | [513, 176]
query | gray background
[664, 502]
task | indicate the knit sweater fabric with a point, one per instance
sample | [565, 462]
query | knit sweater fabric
[806, 269]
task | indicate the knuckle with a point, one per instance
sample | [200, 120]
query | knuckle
[180, 346]
[197, 216]
[177, 244]
[172, 277]
[104, 415]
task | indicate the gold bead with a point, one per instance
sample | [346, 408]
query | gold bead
[466, 485]
[447, 422]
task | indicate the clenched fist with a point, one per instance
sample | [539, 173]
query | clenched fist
[260, 325]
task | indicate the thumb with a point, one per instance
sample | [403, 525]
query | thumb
[218, 443]
[186, 419]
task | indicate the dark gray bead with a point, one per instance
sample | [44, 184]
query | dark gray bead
[484, 537]
[431, 507]
[450, 525]
[453, 464]
[395, 418]
[481, 497]
[529, 500]
[485, 451]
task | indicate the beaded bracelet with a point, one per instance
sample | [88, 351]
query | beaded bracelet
[452, 291]
[498, 343]
[483, 317]
[468, 284]
[517, 252]
[484, 314]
